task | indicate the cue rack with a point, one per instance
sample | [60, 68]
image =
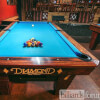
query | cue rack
[81, 11]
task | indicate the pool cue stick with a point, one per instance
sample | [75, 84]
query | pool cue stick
[40, 15]
[82, 11]
[37, 15]
[92, 9]
[41, 5]
[27, 8]
[85, 9]
[76, 5]
[74, 8]
[34, 12]
[34, 15]
[30, 8]
[83, 4]
[71, 12]
[28, 5]
[31, 5]
[87, 17]
[59, 6]
[80, 14]
[90, 12]
[24, 3]
[40, 10]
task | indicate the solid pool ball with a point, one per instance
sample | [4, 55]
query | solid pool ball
[25, 44]
[41, 44]
[29, 44]
[34, 39]
[29, 41]
[38, 42]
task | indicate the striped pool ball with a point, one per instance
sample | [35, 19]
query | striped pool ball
[33, 44]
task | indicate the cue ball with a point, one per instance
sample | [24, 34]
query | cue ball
[32, 25]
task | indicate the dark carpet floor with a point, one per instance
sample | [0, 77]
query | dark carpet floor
[80, 33]
[76, 29]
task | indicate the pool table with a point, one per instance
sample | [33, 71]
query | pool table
[59, 59]
[96, 31]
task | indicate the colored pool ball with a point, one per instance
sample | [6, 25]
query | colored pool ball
[32, 25]
[25, 44]
[32, 44]
[36, 44]
[29, 44]
[27, 41]
[32, 39]
[41, 44]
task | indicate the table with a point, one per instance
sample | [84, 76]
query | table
[59, 60]
[96, 31]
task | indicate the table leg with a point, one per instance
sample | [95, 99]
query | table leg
[5, 85]
[63, 82]
[93, 40]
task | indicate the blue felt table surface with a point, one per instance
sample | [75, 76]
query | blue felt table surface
[54, 43]
[98, 24]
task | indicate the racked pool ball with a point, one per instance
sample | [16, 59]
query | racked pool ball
[29, 44]
[41, 44]
[36, 44]
[25, 44]
[32, 39]
[32, 44]
[28, 41]
[35, 40]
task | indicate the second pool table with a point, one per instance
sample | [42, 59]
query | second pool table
[59, 59]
